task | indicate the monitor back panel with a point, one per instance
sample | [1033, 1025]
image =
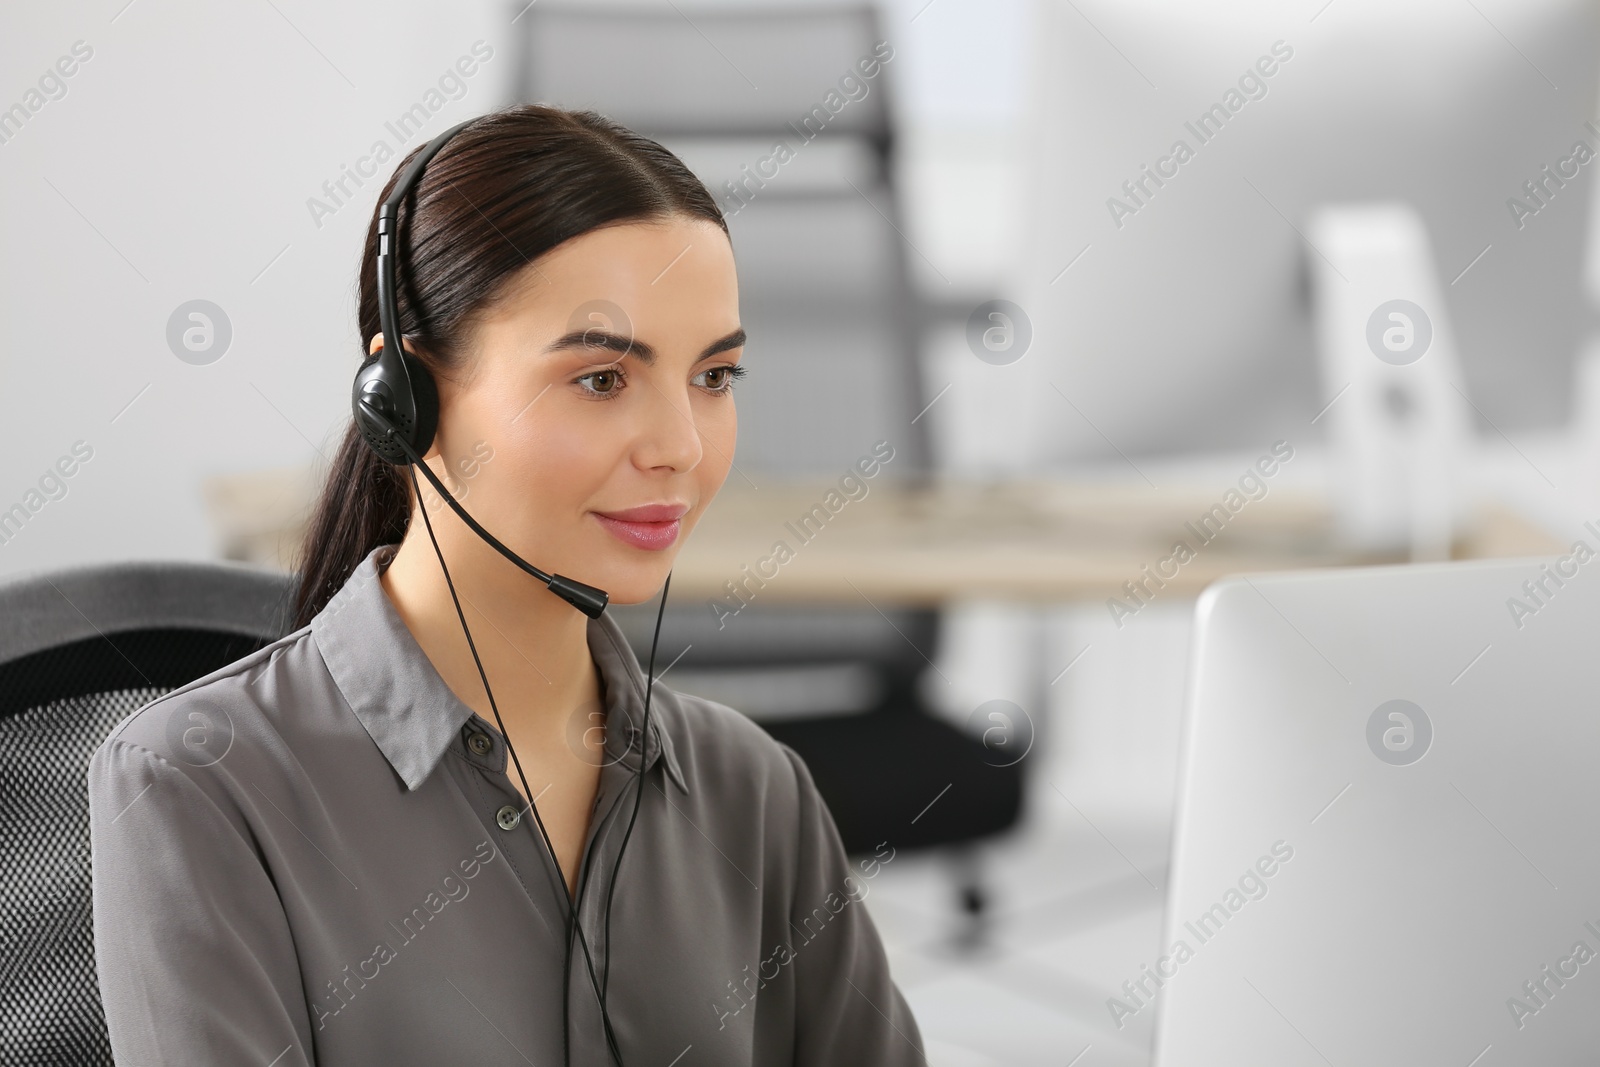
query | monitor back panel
[1386, 849]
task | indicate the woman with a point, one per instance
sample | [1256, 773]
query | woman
[320, 854]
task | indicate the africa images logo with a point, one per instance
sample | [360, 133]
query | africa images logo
[1252, 85]
[1399, 732]
[1138, 592]
[450, 85]
[1138, 993]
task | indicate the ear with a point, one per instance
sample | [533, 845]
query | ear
[433, 446]
[377, 343]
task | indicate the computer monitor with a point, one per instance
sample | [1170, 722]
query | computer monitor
[1384, 848]
[1166, 287]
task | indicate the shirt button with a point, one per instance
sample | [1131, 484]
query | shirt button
[480, 742]
[508, 817]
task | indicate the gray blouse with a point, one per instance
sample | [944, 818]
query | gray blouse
[315, 855]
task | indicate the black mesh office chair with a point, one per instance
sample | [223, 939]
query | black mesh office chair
[79, 650]
[826, 295]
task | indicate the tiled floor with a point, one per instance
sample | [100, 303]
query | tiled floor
[1077, 889]
[1070, 922]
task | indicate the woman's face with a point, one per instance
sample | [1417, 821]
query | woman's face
[599, 386]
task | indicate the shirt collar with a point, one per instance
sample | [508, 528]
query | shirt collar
[414, 717]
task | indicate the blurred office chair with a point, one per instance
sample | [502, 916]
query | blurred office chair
[835, 326]
[79, 650]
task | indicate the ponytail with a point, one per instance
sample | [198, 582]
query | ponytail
[365, 503]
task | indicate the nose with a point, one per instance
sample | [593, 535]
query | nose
[668, 436]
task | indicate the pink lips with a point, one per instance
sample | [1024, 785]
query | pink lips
[652, 527]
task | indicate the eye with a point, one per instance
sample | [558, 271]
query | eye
[610, 384]
[610, 381]
[730, 373]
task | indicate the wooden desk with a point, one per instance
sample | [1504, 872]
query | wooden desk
[1032, 541]
[1039, 541]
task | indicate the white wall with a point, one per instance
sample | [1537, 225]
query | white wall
[178, 166]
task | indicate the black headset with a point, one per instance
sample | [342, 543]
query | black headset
[395, 403]
[395, 400]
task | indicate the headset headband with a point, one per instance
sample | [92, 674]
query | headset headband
[394, 384]
[389, 239]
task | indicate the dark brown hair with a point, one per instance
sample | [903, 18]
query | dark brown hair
[500, 193]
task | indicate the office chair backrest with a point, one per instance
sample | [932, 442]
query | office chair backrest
[80, 649]
[691, 69]
[824, 267]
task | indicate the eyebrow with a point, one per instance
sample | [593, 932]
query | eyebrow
[623, 346]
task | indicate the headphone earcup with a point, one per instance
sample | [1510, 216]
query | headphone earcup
[383, 395]
[424, 404]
